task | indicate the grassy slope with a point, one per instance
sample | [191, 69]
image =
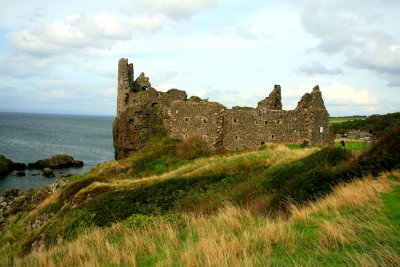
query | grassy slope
[187, 198]
[353, 226]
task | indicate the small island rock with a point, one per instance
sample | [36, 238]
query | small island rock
[5, 165]
[56, 162]
[18, 166]
[47, 172]
[20, 173]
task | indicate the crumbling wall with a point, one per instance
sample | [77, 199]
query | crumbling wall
[254, 128]
[273, 101]
[197, 118]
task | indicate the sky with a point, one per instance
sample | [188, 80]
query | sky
[61, 56]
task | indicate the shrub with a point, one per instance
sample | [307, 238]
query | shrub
[305, 179]
[162, 154]
[140, 220]
[52, 208]
[192, 148]
[383, 156]
[74, 187]
[326, 158]
[156, 199]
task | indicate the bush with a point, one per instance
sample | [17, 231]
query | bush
[74, 187]
[305, 179]
[52, 208]
[140, 220]
[326, 158]
[162, 154]
[192, 148]
[156, 199]
[383, 156]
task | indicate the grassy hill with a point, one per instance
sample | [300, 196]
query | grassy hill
[375, 124]
[174, 203]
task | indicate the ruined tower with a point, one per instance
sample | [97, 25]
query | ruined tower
[273, 101]
[142, 111]
[125, 83]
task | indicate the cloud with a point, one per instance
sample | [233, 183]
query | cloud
[34, 15]
[363, 30]
[338, 94]
[22, 66]
[101, 30]
[335, 95]
[55, 94]
[246, 32]
[175, 9]
[379, 57]
[316, 68]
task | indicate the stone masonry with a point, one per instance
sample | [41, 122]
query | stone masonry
[142, 111]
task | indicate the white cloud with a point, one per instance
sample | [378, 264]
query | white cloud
[317, 68]
[336, 95]
[175, 9]
[380, 57]
[55, 94]
[101, 30]
[246, 32]
[339, 94]
[363, 29]
[23, 66]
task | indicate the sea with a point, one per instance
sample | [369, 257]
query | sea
[26, 138]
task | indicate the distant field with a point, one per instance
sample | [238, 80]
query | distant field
[355, 146]
[336, 120]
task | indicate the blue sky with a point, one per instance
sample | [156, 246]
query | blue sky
[61, 56]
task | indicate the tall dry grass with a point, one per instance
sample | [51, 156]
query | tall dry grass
[235, 237]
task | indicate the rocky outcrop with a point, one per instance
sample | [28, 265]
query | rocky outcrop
[5, 165]
[18, 166]
[20, 173]
[47, 172]
[56, 162]
[6, 199]
[11, 201]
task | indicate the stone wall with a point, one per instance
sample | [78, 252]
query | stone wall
[143, 111]
[196, 118]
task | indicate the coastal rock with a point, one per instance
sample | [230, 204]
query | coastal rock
[5, 165]
[18, 166]
[56, 162]
[20, 173]
[6, 200]
[39, 221]
[11, 201]
[47, 172]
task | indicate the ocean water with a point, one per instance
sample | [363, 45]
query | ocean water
[30, 137]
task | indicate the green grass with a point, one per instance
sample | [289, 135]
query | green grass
[392, 207]
[336, 120]
[356, 146]
[178, 184]
[360, 234]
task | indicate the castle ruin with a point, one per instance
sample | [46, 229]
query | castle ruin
[142, 111]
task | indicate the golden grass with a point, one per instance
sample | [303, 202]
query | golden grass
[334, 234]
[229, 163]
[346, 195]
[233, 236]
